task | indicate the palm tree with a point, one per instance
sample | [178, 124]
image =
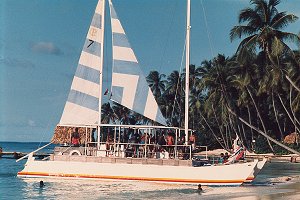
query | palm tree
[107, 113]
[156, 83]
[263, 29]
[123, 114]
[219, 93]
[173, 98]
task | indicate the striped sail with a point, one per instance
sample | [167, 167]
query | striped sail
[129, 85]
[82, 106]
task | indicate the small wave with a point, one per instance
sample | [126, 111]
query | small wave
[284, 179]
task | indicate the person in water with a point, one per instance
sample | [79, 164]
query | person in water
[42, 184]
[200, 188]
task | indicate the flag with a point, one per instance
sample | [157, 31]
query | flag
[106, 92]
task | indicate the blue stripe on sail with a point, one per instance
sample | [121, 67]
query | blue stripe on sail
[120, 39]
[92, 47]
[126, 67]
[88, 74]
[141, 95]
[113, 13]
[96, 21]
[83, 100]
[159, 118]
[117, 94]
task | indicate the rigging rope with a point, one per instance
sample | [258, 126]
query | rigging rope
[168, 35]
[207, 30]
[179, 78]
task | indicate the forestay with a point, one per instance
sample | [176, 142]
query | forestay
[129, 85]
[82, 106]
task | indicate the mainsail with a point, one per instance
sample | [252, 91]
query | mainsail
[129, 85]
[82, 106]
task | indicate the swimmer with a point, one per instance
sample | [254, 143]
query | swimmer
[42, 184]
[200, 188]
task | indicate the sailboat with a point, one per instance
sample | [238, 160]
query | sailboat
[111, 159]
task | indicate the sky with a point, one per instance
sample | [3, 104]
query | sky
[41, 41]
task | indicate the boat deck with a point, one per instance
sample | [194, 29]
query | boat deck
[144, 161]
[91, 154]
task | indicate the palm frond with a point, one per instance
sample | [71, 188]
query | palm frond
[281, 20]
[248, 44]
[287, 36]
[239, 31]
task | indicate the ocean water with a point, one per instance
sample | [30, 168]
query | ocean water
[270, 184]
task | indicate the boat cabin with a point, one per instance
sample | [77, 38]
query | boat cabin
[130, 144]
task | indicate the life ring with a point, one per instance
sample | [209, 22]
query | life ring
[75, 153]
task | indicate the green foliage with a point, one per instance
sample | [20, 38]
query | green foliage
[250, 83]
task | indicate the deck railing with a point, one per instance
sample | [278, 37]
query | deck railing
[136, 150]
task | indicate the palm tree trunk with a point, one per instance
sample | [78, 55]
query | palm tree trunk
[244, 133]
[288, 113]
[212, 131]
[226, 145]
[240, 133]
[264, 134]
[293, 113]
[291, 107]
[276, 116]
[249, 116]
[234, 128]
[227, 135]
[292, 83]
[260, 118]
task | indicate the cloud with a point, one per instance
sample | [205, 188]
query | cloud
[46, 48]
[31, 123]
[15, 62]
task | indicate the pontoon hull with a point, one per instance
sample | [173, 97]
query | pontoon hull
[256, 170]
[234, 174]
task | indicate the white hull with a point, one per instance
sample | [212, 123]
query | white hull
[256, 170]
[234, 174]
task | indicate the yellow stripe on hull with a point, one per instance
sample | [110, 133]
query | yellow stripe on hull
[39, 174]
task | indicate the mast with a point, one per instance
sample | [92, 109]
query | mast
[187, 69]
[101, 70]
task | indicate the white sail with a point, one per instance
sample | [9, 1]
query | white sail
[129, 85]
[82, 106]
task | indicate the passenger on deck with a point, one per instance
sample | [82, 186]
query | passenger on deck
[170, 143]
[179, 143]
[75, 138]
[144, 138]
[192, 141]
[109, 141]
[152, 143]
[161, 141]
[93, 140]
[221, 159]
[226, 156]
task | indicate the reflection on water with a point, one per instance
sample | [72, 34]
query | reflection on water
[100, 189]
[270, 184]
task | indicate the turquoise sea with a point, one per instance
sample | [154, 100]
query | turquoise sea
[271, 183]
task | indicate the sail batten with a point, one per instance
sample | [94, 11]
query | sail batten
[129, 85]
[87, 73]
[80, 85]
[82, 106]
[120, 40]
[126, 67]
[92, 49]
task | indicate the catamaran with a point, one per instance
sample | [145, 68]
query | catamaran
[117, 159]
